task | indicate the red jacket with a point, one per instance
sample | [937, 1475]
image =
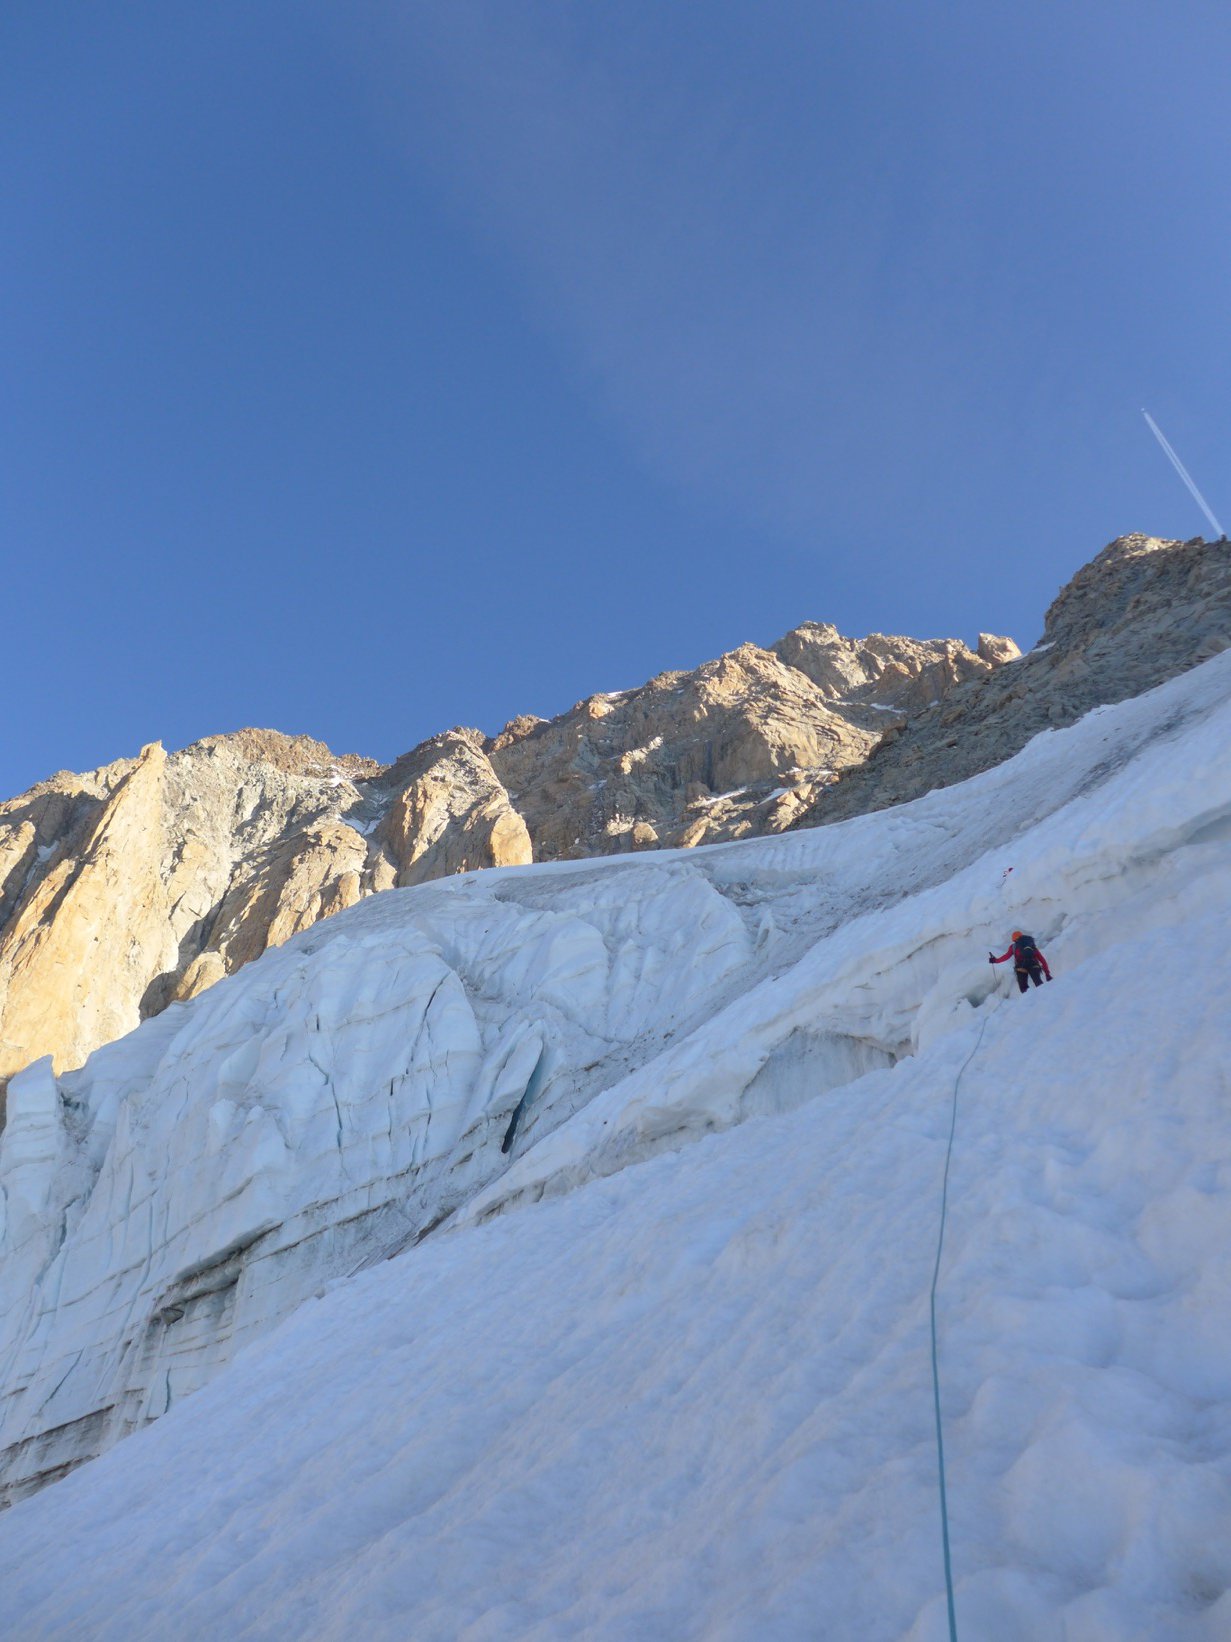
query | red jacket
[1019, 964]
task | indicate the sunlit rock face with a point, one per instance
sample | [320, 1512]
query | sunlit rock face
[143, 881]
[735, 748]
[1141, 612]
[147, 881]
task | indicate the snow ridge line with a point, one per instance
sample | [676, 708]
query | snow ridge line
[940, 1439]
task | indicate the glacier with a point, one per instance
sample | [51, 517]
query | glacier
[545, 1252]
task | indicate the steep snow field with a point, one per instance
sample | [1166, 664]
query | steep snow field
[661, 1368]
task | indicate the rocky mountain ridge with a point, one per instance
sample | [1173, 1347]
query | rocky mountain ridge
[142, 883]
[1141, 612]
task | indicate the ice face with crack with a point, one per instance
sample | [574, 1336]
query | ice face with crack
[350, 1091]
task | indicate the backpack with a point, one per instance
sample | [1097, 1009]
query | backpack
[1025, 953]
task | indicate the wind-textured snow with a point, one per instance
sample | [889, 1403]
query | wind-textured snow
[660, 1368]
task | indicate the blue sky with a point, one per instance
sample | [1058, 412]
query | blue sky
[371, 369]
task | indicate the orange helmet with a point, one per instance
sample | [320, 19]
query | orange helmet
[1017, 935]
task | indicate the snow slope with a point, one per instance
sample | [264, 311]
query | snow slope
[690, 1397]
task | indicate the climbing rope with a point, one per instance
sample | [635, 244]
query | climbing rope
[940, 1440]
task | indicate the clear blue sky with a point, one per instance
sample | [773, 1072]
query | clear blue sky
[371, 368]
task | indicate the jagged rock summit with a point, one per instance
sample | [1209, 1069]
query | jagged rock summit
[1144, 610]
[140, 884]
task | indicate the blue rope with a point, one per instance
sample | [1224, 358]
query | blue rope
[940, 1440]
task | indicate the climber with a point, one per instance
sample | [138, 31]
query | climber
[1029, 964]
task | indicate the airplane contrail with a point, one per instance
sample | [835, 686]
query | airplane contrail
[1182, 471]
